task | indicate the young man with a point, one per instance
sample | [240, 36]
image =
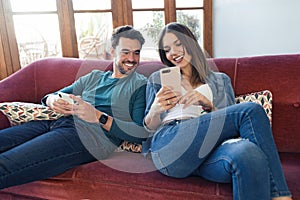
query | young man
[108, 109]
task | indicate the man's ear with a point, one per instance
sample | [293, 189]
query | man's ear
[112, 52]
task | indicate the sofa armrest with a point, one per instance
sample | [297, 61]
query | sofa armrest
[17, 87]
[20, 86]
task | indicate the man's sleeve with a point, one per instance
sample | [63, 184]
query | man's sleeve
[132, 131]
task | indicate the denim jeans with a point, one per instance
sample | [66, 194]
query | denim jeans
[195, 147]
[41, 149]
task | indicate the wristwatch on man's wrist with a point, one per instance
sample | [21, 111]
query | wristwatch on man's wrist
[103, 119]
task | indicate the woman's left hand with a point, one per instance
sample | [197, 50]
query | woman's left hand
[193, 97]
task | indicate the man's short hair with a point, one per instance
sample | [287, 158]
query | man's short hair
[126, 31]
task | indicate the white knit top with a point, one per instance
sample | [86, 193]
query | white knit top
[192, 111]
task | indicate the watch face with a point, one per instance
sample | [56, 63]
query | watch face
[103, 119]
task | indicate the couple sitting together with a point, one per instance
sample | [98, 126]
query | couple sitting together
[197, 131]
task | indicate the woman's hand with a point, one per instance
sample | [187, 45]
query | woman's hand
[165, 99]
[193, 97]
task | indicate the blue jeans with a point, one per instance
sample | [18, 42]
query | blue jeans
[41, 149]
[194, 147]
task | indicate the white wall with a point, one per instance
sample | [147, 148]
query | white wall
[256, 27]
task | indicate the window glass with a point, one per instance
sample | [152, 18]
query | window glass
[91, 4]
[137, 4]
[93, 32]
[33, 5]
[150, 24]
[194, 20]
[37, 39]
[189, 3]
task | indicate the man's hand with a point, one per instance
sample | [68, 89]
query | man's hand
[80, 108]
[84, 110]
[59, 105]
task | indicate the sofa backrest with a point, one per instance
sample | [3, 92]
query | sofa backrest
[279, 74]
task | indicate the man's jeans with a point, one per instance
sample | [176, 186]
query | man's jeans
[195, 147]
[42, 149]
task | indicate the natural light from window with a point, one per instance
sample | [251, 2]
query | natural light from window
[38, 35]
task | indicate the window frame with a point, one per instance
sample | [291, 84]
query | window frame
[122, 13]
[8, 42]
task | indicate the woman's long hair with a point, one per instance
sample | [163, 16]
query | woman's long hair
[200, 67]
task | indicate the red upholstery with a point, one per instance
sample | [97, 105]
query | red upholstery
[117, 177]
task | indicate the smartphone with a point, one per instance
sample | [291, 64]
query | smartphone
[171, 77]
[65, 97]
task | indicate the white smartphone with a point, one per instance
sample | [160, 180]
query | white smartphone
[171, 77]
[65, 97]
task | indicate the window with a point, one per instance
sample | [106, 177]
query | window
[34, 29]
[93, 24]
[151, 16]
[35, 38]
[191, 14]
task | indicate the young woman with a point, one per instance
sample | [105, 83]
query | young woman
[201, 132]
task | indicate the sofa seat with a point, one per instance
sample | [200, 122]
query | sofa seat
[98, 180]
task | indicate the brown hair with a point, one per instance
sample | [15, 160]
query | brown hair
[200, 67]
[126, 31]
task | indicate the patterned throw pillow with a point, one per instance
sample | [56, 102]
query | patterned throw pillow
[19, 112]
[263, 98]
[131, 147]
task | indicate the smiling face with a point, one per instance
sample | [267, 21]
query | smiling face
[126, 57]
[175, 52]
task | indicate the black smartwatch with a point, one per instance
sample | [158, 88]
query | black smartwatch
[103, 119]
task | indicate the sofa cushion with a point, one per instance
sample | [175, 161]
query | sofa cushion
[21, 112]
[131, 147]
[264, 98]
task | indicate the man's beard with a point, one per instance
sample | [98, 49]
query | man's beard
[122, 69]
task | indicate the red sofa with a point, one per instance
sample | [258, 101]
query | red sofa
[130, 176]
